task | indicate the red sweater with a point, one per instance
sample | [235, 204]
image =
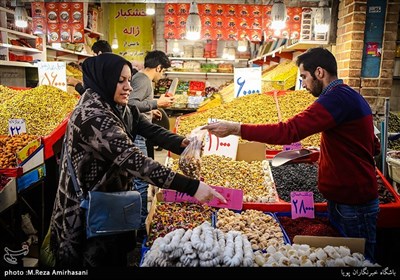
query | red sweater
[346, 172]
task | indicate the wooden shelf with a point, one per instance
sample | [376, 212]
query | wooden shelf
[17, 63]
[20, 34]
[208, 59]
[94, 33]
[299, 46]
[68, 51]
[19, 48]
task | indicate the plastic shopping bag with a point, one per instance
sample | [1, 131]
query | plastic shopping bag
[190, 159]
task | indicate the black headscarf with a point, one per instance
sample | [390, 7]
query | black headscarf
[101, 74]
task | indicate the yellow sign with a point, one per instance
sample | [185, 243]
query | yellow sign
[133, 30]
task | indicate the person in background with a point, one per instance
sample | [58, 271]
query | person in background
[99, 47]
[346, 172]
[155, 63]
[99, 140]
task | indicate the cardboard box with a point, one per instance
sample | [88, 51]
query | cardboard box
[8, 195]
[158, 197]
[354, 244]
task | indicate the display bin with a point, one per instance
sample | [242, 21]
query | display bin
[387, 217]
[50, 140]
[285, 236]
[8, 195]
[393, 162]
[279, 215]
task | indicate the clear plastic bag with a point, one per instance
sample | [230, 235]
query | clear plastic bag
[190, 159]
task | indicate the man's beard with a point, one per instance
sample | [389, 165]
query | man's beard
[317, 88]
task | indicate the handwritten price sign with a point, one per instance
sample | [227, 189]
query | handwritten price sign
[226, 146]
[302, 204]
[53, 74]
[247, 81]
[16, 126]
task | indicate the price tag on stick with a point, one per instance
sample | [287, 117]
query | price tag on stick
[302, 204]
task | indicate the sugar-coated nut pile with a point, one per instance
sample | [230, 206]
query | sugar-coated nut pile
[10, 145]
[261, 229]
[171, 216]
[43, 108]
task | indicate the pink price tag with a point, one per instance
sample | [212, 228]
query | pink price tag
[293, 146]
[302, 204]
[233, 197]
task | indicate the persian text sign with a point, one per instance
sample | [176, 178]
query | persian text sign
[16, 126]
[233, 197]
[226, 146]
[53, 74]
[247, 81]
[302, 204]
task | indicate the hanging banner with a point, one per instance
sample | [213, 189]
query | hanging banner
[247, 81]
[53, 74]
[133, 30]
[373, 36]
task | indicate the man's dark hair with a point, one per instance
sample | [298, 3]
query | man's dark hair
[155, 58]
[101, 46]
[318, 57]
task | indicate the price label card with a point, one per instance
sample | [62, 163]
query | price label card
[293, 146]
[16, 126]
[302, 204]
[247, 81]
[53, 74]
[226, 146]
[233, 197]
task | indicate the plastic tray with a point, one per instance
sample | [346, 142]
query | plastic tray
[317, 214]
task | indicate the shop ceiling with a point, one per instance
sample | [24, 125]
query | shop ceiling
[289, 3]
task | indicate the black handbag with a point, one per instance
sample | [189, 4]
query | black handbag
[108, 213]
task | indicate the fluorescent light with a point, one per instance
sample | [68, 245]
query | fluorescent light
[21, 17]
[278, 15]
[150, 9]
[193, 23]
[322, 18]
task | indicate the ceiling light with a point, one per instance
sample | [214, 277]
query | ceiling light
[21, 17]
[193, 23]
[150, 9]
[278, 15]
[322, 18]
[114, 43]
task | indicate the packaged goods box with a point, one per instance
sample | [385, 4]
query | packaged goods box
[354, 244]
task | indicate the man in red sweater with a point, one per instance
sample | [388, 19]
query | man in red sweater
[346, 172]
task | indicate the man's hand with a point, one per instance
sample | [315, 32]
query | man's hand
[205, 193]
[165, 101]
[156, 115]
[71, 81]
[223, 128]
[185, 143]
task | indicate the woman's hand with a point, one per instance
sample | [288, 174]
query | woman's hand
[205, 193]
[185, 142]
